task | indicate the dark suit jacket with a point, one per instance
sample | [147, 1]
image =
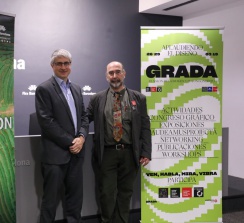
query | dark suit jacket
[141, 133]
[55, 120]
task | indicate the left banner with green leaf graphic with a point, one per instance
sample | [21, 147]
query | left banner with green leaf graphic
[7, 154]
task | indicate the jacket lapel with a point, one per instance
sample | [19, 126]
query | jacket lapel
[101, 109]
[133, 103]
[76, 98]
[62, 97]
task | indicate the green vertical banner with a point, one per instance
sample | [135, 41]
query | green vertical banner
[181, 76]
[7, 153]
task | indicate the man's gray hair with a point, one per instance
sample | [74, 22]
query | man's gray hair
[60, 53]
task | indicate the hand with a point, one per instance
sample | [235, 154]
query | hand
[77, 145]
[144, 161]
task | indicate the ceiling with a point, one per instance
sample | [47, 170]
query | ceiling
[181, 7]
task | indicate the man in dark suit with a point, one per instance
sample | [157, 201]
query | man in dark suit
[118, 154]
[64, 127]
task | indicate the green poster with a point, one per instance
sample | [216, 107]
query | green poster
[7, 167]
[181, 76]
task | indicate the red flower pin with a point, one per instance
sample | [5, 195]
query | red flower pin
[133, 103]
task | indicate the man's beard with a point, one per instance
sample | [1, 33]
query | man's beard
[116, 84]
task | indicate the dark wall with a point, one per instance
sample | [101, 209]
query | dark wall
[94, 31]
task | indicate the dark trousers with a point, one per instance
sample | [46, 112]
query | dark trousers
[116, 179]
[55, 176]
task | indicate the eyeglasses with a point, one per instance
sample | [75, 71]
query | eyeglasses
[60, 64]
[112, 72]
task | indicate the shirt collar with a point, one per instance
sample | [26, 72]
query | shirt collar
[61, 82]
[122, 92]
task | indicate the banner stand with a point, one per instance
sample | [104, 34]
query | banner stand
[181, 76]
[7, 147]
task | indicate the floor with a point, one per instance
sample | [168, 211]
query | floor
[233, 217]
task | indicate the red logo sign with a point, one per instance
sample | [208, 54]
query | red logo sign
[186, 192]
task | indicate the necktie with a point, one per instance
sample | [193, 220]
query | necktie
[117, 126]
